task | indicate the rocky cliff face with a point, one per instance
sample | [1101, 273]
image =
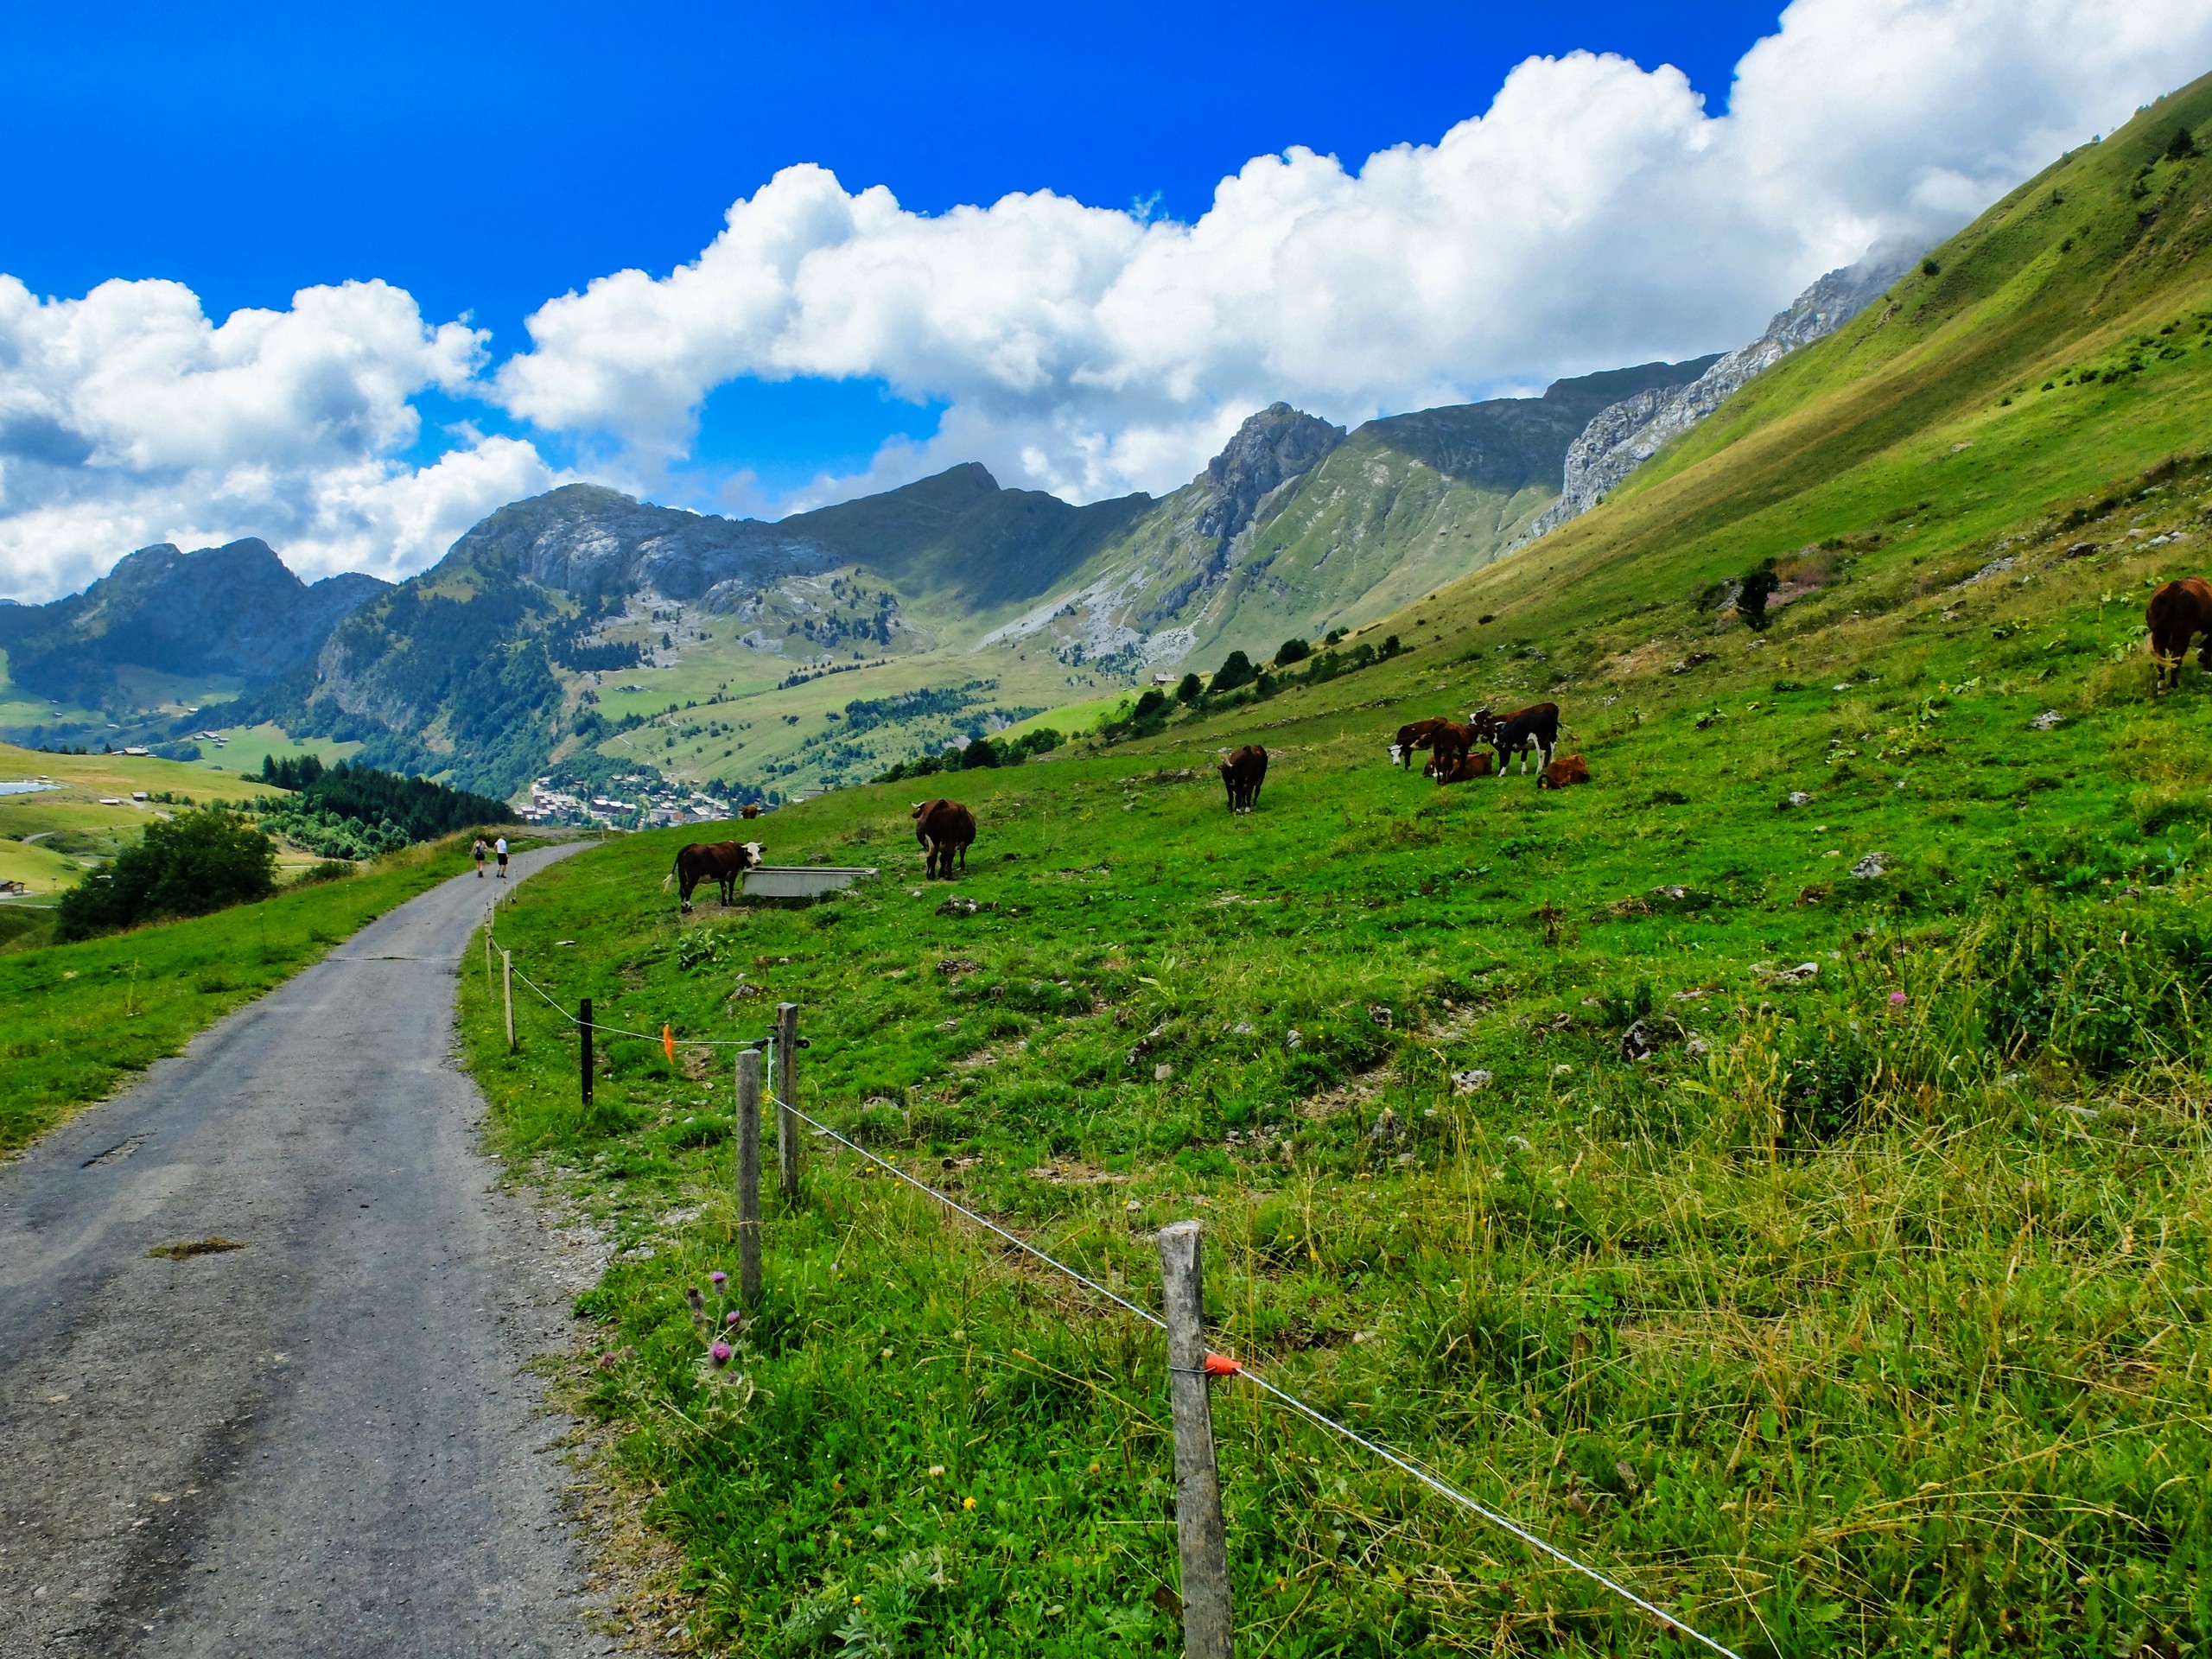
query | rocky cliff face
[1625, 436]
[1279, 442]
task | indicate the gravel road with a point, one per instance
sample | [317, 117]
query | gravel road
[320, 1443]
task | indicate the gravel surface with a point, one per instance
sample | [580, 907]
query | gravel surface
[322, 1442]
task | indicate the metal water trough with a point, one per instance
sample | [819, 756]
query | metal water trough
[801, 880]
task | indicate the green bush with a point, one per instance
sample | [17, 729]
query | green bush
[1236, 669]
[1292, 650]
[1759, 585]
[199, 861]
[1191, 689]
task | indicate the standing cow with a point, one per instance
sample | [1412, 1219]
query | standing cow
[2177, 613]
[1533, 728]
[1415, 734]
[945, 830]
[1241, 774]
[724, 862]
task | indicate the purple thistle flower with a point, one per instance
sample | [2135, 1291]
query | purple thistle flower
[720, 1354]
[732, 1317]
[720, 1279]
[1898, 999]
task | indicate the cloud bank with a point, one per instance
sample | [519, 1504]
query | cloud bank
[1594, 215]
[128, 417]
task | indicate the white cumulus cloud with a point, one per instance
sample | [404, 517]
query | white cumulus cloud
[128, 416]
[1594, 215]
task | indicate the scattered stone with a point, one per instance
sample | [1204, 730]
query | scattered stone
[1386, 1127]
[1161, 1072]
[2047, 721]
[1798, 798]
[1636, 1043]
[1379, 1015]
[1695, 1048]
[1466, 1083]
[1871, 866]
[953, 967]
[957, 905]
[2078, 550]
[1293, 1039]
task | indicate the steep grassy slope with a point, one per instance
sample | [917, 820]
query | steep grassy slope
[1818, 1239]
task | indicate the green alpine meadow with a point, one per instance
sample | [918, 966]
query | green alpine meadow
[1776, 1174]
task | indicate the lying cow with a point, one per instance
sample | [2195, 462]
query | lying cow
[1535, 727]
[946, 830]
[1415, 734]
[1571, 769]
[1241, 774]
[2177, 613]
[1464, 769]
[724, 862]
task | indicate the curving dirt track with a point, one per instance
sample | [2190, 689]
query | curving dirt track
[321, 1443]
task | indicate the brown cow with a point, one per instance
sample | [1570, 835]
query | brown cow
[1448, 744]
[2177, 613]
[1415, 734]
[1241, 774]
[750, 810]
[1465, 769]
[725, 863]
[1570, 769]
[1533, 728]
[945, 830]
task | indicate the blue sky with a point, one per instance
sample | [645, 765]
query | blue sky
[486, 157]
[267, 270]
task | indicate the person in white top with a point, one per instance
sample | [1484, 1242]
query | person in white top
[500, 847]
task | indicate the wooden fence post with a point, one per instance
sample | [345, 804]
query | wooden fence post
[507, 985]
[583, 1031]
[787, 1098]
[1205, 1546]
[748, 1178]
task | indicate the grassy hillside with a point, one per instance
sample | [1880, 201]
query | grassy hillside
[1778, 1172]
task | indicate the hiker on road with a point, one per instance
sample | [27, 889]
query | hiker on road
[501, 848]
[478, 850]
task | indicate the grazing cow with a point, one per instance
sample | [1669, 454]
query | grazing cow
[724, 862]
[1241, 774]
[1464, 769]
[1535, 727]
[1415, 734]
[750, 810]
[2177, 613]
[1571, 769]
[946, 830]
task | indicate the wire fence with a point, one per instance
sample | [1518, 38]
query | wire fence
[1216, 1365]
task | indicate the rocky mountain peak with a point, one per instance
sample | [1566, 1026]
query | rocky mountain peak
[1277, 443]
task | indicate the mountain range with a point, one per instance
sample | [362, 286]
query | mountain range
[585, 631]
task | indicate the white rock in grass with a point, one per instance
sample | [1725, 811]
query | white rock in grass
[1871, 865]
[1466, 1083]
[2047, 721]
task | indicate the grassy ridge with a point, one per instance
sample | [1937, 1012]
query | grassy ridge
[82, 1019]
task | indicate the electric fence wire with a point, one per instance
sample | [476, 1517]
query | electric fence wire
[1435, 1484]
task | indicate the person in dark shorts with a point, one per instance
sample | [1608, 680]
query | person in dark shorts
[479, 850]
[501, 848]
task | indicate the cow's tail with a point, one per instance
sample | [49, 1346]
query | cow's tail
[668, 881]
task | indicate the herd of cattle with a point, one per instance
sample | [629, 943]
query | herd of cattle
[946, 830]
[1455, 748]
[1460, 752]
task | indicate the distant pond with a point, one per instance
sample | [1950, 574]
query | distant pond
[27, 788]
